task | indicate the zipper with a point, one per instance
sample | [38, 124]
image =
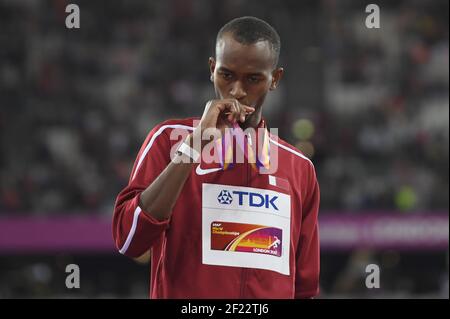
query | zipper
[244, 273]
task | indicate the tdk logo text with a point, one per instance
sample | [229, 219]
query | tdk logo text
[254, 199]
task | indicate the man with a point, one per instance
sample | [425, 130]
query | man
[234, 229]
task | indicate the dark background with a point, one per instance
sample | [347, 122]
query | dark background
[370, 107]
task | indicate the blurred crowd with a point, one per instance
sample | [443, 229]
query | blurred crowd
[369, 106]
[385, 140]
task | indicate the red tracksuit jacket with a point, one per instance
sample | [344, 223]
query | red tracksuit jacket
[234, 233]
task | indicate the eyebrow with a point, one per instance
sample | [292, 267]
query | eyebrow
[224, 69]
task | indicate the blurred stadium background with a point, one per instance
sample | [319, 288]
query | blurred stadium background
[370, 107]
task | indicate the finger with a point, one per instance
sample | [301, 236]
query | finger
[230, 112]
[227, 108]
[244, 110]
[239, 113]
[224, 105]
[249, 109]
[243, 113]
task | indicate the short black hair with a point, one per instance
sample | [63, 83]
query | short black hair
[249, 30]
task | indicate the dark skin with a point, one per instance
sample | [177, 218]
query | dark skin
[245, 73]
[242, 76]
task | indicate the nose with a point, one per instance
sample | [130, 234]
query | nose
[237, 91]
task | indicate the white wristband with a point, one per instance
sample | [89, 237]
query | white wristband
[189, 151]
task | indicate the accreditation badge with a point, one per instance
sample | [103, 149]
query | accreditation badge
[245, 227]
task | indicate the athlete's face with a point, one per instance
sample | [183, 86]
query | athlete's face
[244, 72]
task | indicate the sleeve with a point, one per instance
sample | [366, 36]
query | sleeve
[135, 231]
[308, 251]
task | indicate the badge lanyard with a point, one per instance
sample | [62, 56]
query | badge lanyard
[225, 148]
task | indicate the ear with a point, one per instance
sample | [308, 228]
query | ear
[212, 67]
[277, 74]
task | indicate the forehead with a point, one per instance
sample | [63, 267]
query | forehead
[256, 57]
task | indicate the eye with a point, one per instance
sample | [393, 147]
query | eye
[226, 75]
[254, 79]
